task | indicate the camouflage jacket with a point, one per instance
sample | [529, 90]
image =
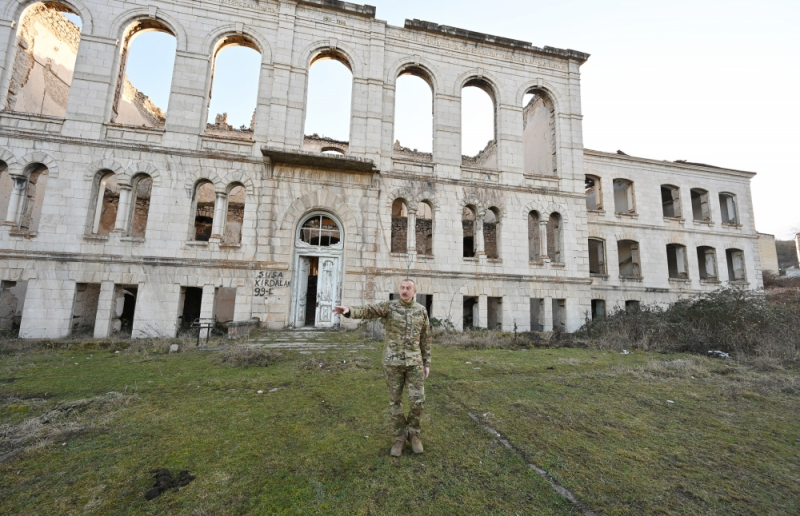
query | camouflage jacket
[408, 335]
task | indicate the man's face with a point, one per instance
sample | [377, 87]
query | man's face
[407, 291]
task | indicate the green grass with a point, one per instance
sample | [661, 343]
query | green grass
[598, 421]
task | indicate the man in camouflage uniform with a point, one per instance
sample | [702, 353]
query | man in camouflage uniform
[406, 358]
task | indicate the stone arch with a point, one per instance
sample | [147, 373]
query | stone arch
[14, 167]
[15, 8]
[44, 159]
[124, 20]
[546, 87]
[307, 56]
[430, 198]
[232, 29]
[141, 167]
[480, 75]
[324, 201]
[401, 193]
[414, 61]
[240, 177]
[103, 164]
[195, 177]
[627, 235]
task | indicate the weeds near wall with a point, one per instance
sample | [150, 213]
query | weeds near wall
[249, 356]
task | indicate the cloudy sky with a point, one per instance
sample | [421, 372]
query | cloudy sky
[706, 81]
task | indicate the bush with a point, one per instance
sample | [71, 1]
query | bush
[249, 356]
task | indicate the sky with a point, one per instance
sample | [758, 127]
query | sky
[705, 81]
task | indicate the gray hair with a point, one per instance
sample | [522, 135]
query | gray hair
[411, 280]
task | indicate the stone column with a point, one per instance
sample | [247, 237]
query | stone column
[15, 200]
[547, 315]
[411, 231]
[479, 247]
[218, 227]
[243, 307]
[48, 309]
[543, 239]
[483, 312]
[123, 209]
[106, 310]
[187, 96]
[207, 308]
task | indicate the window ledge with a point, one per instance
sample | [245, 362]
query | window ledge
[494, 260]
[538, 263]
[631, 278]
[133, 240]
[679, 280]
[21, 233]
[702, 222]
[597, 212]
[675, 219]
[246, 139]
[598, 275]
[95, 238]
[398, 255]
[739, 282]
[425, 257]
[731, 225]
[196, 243]
[558, 265]
[710, 281]
[626, 215]
[470, 259]
[230, 246]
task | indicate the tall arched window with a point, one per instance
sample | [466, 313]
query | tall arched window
[33, 199]
[235, 216]
[106, 204]
[424, 231]
[700, 209]
[468, 219]
[141, 192]
[630, 264]
[413, 116]
[671, 201]
[478, 143]
[6, 188]
[330, 90]
[554, 240]
[319, 230]
[676, 261]
[534, 250]
[46, 48]
[624, 199]
[146, 62]
[204, 201]
[399, 226]
[594, 193]
[735, 259]
[727, 206]
[707, 263]
[234, 88]
[539, 134]
[491, 233]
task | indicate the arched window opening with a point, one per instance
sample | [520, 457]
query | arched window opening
[491, 233]
[539, 134]
[399, 226]
[333, 152]
[707, 263]
[146, 60]
[6, 187]
[727, 206]
[534, 249]
[33, 201]
[597, 256]
[330, 91]
[468, 227]
[676, 261]
[594, 193]
[107, 204]
[424, 231]
[234, 88]
[142, 190]
[320, 231]
[700, 210]
[235, 216]
[478, 144]
[46, 48]
[413, 116]
[735, 259]
[630, 265]
[624, 200]
[205, 198]
[671, 201]
[554, 240]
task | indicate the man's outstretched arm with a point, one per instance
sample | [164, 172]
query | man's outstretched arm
[375, 311]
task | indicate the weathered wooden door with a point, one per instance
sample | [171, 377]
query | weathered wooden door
[327, 291]
[302, 291]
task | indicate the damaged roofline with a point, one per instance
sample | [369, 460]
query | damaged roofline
[348, 7]
[678, 164]
[416, 24]
[318, 159]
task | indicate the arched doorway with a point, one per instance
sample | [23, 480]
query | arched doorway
[319, 244]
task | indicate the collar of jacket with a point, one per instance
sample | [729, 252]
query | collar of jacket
[407, 305]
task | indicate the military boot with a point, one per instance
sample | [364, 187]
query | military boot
[416, 443]
[397, 447]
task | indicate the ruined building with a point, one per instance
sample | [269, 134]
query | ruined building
[124, 216]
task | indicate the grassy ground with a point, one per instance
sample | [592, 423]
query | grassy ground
[600, 422]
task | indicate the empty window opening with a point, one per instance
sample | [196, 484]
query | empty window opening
[700, 209]
[707, 262]
[399, 226]
[107, 204]
[554, 238]
[629, 259]
[735, 259]
[424, 231]
[6, 187]
[491, 233]
[594, 194]
[470, 312]
[413, 116]
[468, 229]
[224, 304]
[234, 88]
[330, 90]
[597, 256]
[676, 261]
[84, 308]
[494, 315]
[632, 306]
[235, 215]
[33, 200]
[478, 144]
[598, 308]
[142, 190]
[335, 152]
[147, 59]
[537, 314]
[623, 196]
[205, 198]
[46, 48]
[539, 134]
[124, 308]
[12, 301]
[727, 206]
[671, 201]
[534, 251]
[191, 302]
[320, 231]
[559, 315]
[426, 300]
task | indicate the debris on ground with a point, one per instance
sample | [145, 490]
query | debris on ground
[165, 481]
[718, 354]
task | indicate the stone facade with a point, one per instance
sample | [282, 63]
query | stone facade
[265, 222]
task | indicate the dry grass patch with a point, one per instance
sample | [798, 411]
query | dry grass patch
[244, 355]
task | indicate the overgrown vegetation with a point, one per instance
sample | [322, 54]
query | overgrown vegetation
[244, 355]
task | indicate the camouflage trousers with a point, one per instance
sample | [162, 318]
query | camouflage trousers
[413, 378]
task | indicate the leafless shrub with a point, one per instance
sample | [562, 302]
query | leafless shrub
[244, 355]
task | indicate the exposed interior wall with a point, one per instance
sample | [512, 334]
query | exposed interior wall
[224, 304]
[223, 129]
[624, 201]
[490, 235]
[47, 46]
[468, 232]
[34, 200]
[487, 158]
[6, 187]
[136, 108]
[768, 251]
[494, 316]
[235, 216]
[534, 251]
[597, 257]
[424, 235]
[537, 314]
[84, 309]
[554, 238]
[410, 154]
[559, 315]
[205, 198]
[12, 301]
[594, 193]
[629, 259]
[317, 143]
[107, 205]
[141, 205]
[470, 312]
[539, 137]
